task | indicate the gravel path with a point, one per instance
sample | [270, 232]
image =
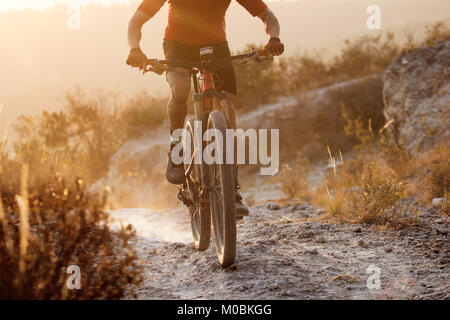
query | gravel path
[293, 253]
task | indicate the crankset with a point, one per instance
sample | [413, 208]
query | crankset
[185, 196]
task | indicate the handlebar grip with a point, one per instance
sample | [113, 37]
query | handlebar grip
[153, 65]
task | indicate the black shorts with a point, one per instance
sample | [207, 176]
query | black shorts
[175, 50]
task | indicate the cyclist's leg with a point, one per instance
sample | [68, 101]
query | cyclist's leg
[180, 87]
[179, 83]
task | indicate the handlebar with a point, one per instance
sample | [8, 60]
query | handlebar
[160, 66]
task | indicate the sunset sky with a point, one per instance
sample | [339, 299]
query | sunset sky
[7, 5]
[41, 57]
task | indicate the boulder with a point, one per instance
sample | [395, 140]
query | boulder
[417, 97]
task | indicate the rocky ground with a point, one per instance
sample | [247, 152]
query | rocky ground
[294, 253]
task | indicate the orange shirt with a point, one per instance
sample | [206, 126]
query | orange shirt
[198, 22]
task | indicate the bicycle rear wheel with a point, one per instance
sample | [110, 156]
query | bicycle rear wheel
[222, 197]
[199, 210]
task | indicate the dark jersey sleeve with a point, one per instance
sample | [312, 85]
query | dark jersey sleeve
[151, 7]
[254, 7]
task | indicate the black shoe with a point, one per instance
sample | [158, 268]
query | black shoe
[241, 209]
[174, 172]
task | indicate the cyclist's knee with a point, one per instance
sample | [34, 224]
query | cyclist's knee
[180, 85]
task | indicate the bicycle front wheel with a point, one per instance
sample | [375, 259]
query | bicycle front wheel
[222, 196]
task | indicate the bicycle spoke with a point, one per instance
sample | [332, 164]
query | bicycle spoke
[219, 194]
[218, 175]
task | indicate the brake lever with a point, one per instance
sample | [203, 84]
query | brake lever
[150, 68]
[147, 69]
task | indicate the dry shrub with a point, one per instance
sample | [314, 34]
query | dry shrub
[360, 57]
[294, 179]
[436, 32]
[262, 83]
[48, 229]
[375, 201]
[363, 189]
[366, 187]
[365, 55]
[85, 133]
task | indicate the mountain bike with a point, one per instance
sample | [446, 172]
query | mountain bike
[209, 189]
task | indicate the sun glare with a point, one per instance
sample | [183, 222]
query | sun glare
[8, 5]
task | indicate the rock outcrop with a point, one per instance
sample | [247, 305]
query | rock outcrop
[417, 97]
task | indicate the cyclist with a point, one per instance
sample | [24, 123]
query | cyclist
[194, 24]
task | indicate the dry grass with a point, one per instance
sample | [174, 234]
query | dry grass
[366, 187]
[294, 179]
[374, 202]
[363, 190]
[333, 201]
[43, 231]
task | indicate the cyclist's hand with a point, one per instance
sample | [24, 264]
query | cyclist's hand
[274, 46]
[137, 58]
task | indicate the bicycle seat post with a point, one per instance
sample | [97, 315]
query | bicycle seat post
[206, 55]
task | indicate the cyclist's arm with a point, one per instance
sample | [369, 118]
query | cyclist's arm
[146, 10]
[135, 28]
[271, 23]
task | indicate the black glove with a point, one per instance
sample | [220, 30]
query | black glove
[275, 46]
[137, 58]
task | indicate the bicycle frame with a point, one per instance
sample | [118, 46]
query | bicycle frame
[206, 97]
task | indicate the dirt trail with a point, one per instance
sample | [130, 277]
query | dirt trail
[289, 253]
